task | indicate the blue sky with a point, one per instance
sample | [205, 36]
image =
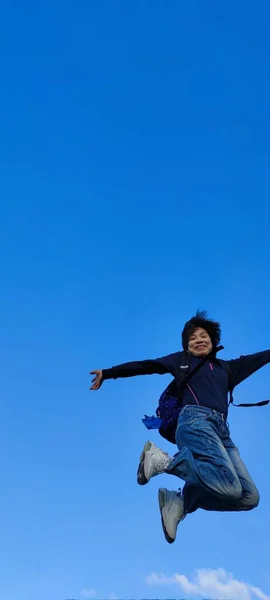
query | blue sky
[134, 149]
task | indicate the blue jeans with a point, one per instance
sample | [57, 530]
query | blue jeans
[216, 477]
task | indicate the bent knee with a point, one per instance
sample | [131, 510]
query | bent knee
[233, 493]
[252, 499]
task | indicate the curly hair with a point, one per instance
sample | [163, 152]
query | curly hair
[201, 320]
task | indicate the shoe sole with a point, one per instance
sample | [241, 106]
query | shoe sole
[141, 479]
[162, 503]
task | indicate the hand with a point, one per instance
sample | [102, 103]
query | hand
[97, 381]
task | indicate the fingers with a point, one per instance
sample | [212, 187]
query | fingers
[96, 381]
[96, 385]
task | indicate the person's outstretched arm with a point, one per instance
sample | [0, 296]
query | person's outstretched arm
[130, 369]
[243, 367]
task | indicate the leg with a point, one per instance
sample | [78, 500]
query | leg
[195, 497]
[250, 496]
[173, 506]
[203, 460]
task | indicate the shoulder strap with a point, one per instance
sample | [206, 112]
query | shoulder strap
[262, 403]
[227, 368]
[184, 366]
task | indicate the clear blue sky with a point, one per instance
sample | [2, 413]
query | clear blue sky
[134, 149]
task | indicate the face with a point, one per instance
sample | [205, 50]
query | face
[200, 342]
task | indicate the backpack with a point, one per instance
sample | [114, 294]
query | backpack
[168, 409]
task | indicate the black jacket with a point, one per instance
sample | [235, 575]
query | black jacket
[210, 385]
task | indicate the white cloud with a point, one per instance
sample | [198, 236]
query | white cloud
[211, 583]
[88, 593]
[113, 597]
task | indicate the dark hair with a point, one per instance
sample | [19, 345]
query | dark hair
[201, 320]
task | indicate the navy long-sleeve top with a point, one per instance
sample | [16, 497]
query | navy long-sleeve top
[209, 387]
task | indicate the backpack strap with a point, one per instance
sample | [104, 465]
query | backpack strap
[227, 368]
[262, 403]
[184, 366]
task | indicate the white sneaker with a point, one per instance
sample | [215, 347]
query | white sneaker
[152, 462]
[171, 505]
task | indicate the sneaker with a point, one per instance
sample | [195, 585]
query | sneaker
[171, 505]
[152, 462]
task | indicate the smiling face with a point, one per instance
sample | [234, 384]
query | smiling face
[199, 343]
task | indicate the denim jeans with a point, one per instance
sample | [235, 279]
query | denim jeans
[216, 477]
